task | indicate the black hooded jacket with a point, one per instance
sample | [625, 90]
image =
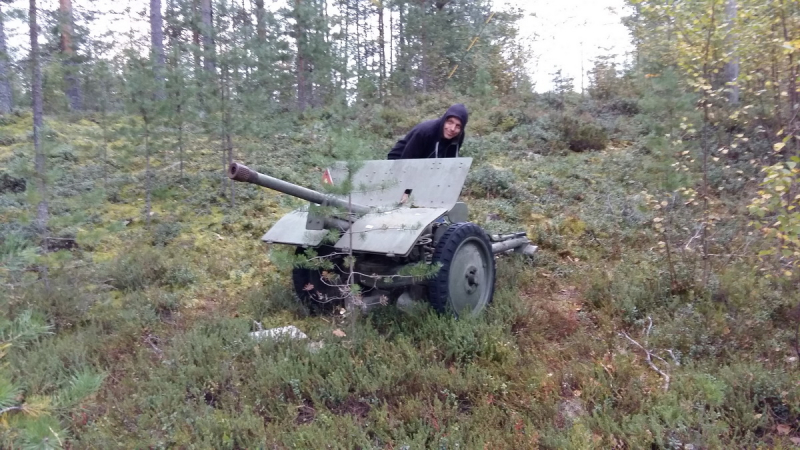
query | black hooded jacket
[426, 140]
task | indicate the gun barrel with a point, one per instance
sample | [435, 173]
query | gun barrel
[240, 172]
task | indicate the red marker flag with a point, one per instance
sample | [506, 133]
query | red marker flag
[327, 178]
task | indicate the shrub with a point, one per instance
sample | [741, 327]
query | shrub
[581, 136]
[505, 120]
[165, 232]
[631, 292]
[8, 140]
[11, 184]
[180, 276]
[274, 296]
[489, 182]
[42, 381]
[623, 106]
[137, 269]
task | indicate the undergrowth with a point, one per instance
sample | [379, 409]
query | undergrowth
[160, 312]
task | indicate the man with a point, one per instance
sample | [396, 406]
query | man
[439, 138]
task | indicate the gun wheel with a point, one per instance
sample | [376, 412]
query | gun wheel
[313, 291]
[465, 281]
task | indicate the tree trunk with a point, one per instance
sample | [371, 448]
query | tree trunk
[196, 37]
[226, 142]
[401, 39]
[776, 82]
[207, 31]
[42, 212]
[792, 75]
[732, 66]
[261, 22]
[147, 183]
[346, 56]
[229, 146]
[180, 138]
[157, 42]
[5, 84]
[71, 78]
[104, 95]
[358, 46]
[381, 50]
[424, 65]
[300, 38]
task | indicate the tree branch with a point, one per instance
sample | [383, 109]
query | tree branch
[649, 355]
[10, 409]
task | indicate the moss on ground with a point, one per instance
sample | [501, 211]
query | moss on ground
[164, 310]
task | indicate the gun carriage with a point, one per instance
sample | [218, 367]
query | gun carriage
[400, 214]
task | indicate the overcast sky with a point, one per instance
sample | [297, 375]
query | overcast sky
[565, 33]
[562, 34]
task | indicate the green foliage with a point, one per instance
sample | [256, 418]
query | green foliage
[488, 181]
[137, 269]
[81, 385]
[144, 267]
[581, 136]
[23, 329]
[664, 104]
[777, 216]
[29, 416]
[165, 232]
[166, 310]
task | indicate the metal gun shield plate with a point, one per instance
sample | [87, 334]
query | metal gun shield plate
[391, 232]
[432, 187]
[291, 229]
[433, 183]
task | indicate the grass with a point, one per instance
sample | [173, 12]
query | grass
[164, 311]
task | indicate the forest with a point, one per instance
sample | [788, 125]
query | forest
[661, 310]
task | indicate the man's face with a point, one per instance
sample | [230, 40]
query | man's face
[452, 127]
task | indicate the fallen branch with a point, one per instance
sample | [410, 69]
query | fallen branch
[9, 409]
[649, 355]
[158, 351]
[697, 234]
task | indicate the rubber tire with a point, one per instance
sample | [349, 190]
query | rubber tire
[301, 277]
[445, 251]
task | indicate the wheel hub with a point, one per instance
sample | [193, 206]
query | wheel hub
[469, 277]
[473, 283]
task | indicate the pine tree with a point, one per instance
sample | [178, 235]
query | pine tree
[6, 102]
[140, 88]
[157, 43]
[207, 33]
[67, 47]
[42, 209]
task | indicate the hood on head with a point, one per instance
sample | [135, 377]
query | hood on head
[460, 111]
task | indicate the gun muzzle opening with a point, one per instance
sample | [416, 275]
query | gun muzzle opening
[240, 172]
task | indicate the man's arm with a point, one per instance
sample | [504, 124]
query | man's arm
[415, 145]
[397, 151]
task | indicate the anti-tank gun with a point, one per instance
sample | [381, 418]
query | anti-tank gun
[401, 217]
